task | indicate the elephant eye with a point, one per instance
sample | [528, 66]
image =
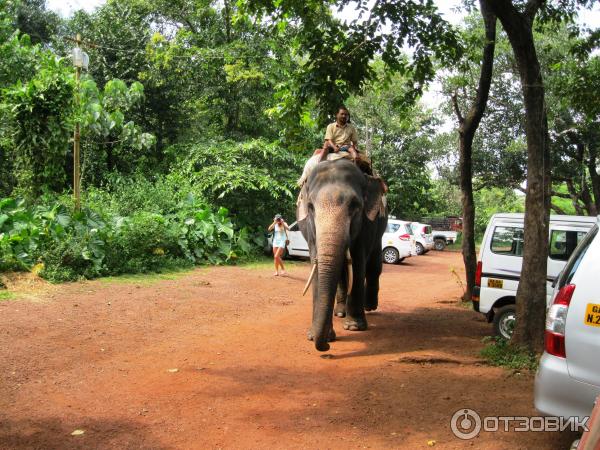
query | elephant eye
[354, 206]
[311, 207]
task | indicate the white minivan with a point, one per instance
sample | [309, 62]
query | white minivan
[501, 257]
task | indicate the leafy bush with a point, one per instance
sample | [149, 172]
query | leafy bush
[94, 242]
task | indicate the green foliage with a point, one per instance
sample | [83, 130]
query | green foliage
[253, 179]
[39, 111]
[95, 243]
[495, 200]
[499, 352]
[400, 143]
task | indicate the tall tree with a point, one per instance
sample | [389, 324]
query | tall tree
[517, 18]
[467, 126]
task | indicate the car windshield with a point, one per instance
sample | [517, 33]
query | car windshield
[576, 257]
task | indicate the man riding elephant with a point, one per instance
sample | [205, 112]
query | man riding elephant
[341, 140]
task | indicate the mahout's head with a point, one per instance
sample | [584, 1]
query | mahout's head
[342, 116]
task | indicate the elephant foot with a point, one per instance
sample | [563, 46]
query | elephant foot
[370, 307]
[332, 336]
[340, 310]
[355, 325]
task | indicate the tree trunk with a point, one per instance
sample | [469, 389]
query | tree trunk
[466, 131]
[594, 176]
[531, 294]
[574, 197]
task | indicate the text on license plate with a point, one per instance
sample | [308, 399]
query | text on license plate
[493, 283]
[592, 315]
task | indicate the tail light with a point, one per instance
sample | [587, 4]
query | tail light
[556, 321]
[478, 274]
[404, 237]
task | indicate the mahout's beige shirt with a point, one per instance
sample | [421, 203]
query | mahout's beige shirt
[341, 135]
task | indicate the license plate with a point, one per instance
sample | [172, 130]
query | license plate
[592, 315]
[493, 283]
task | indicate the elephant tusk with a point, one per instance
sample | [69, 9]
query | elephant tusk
[310, 278]
[350, 274]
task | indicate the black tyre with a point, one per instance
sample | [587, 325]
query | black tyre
[505, 320]
[439, 244]
[420, 249]
[390, 255]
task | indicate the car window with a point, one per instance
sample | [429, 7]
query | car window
[563, 243]
[507, 241]
[392, 227]
[408, 228]
[428, 229]
[571, 267]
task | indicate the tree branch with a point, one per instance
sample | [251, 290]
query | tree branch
[531, 9]
[459, 116]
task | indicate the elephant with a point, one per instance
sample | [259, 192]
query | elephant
[342, 215]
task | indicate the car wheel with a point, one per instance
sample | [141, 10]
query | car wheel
[420, 249]
[505, 321]
[390, 255]
[439, 244]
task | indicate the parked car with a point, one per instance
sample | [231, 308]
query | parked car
[423, 237]
[398, 241]
[568, 378]
[297, 246]
[501, 257]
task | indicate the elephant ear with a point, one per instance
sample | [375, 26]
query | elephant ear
[302, 205]
[374, 198]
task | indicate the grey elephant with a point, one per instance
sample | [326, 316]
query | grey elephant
[342, 216]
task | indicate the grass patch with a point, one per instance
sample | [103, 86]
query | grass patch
[6, 295]
[499, 352]
[266, 262]
[148, 278]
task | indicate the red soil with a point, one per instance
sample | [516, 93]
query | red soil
[218, 358]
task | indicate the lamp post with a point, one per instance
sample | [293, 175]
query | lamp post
[80, 61]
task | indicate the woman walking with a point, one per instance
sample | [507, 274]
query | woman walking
[280, 229]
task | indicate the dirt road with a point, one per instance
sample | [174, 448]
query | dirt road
[218, 358]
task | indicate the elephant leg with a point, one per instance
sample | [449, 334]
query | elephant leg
[341, 295]
[373, 270]
[355, 303]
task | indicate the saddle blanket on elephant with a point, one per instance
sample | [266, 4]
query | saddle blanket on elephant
[315, 159]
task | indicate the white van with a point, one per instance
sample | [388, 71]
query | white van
[501, 257]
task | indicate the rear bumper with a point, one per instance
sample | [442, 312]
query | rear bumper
[557, 394]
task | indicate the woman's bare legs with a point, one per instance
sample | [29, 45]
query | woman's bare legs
[277, 252]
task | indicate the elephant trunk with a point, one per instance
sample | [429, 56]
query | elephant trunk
[331, 250]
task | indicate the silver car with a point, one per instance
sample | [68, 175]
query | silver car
[568, 378]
